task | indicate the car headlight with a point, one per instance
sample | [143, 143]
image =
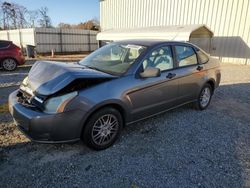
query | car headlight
[57, 104]
[25, 81]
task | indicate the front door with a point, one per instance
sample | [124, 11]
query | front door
[153, 95]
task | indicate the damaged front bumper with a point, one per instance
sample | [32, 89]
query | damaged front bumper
[46, 128]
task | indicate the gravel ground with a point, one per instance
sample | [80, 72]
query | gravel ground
[180, 148]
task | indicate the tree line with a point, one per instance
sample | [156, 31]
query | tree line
[92, 24]
[15, 16]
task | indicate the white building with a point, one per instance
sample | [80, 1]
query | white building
[228, 19]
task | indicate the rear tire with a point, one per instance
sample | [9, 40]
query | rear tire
[204, 98]
[103, 128]
[9, 64]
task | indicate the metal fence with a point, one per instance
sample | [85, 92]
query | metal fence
[56, 39]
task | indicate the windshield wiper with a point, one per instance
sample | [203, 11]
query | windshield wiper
[94, 68]
[101, 70]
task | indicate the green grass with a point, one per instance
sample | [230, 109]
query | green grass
[4, 108]
[133, 186]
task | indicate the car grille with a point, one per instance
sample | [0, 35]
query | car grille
[24, 98]
[28, 101]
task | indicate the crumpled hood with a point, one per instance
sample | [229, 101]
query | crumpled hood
[48, 77]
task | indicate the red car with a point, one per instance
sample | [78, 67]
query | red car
[10, 55]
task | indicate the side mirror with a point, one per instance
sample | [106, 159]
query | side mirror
[151, 72]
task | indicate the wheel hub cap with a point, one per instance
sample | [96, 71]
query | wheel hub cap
[205, 97]
[9, 64]
[105, 129]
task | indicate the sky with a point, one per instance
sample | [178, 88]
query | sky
[66, 11]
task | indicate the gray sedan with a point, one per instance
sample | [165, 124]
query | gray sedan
[118, 84]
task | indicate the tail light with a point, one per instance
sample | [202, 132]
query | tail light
[18, 50]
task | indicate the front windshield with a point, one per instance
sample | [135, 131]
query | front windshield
[113, 58]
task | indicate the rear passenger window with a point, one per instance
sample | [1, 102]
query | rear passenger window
[185, 56]
[4, 44]
[203, 57]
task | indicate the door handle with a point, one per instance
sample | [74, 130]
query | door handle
[170, 75]
[199, 68]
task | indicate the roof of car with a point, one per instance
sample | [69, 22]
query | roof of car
[6, 41]
[148, 42]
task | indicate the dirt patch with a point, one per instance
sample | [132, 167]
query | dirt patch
[10, 135]
[4, 108]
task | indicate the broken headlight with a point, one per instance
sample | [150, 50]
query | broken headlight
[57, 104]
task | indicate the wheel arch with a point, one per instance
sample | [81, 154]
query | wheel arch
[2, 59]
[211, 82]
[114, 104]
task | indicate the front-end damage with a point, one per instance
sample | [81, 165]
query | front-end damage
[41, 107]
[35, 92]
[36, 101]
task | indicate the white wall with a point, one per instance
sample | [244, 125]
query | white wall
[20, 37]
[47, 39]
[228, 19]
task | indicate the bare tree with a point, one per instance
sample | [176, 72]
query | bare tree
[64, 26]
[90, 25]
[6, 7]
[32, 18]
[44, 20]
[21, 14]
[14, 15]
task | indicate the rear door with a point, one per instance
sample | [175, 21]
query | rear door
[3, 48]
[153, 95]
[190, 71]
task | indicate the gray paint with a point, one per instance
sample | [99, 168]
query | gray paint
[136, 97]
[55, 76]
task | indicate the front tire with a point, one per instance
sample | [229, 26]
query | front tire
[103, 128]
[204, 98]
[9, 64]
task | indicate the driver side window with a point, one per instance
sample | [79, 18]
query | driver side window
[159, 58]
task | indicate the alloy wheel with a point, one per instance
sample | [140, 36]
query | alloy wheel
[105, 129]
[205, 97]
[9, 64]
